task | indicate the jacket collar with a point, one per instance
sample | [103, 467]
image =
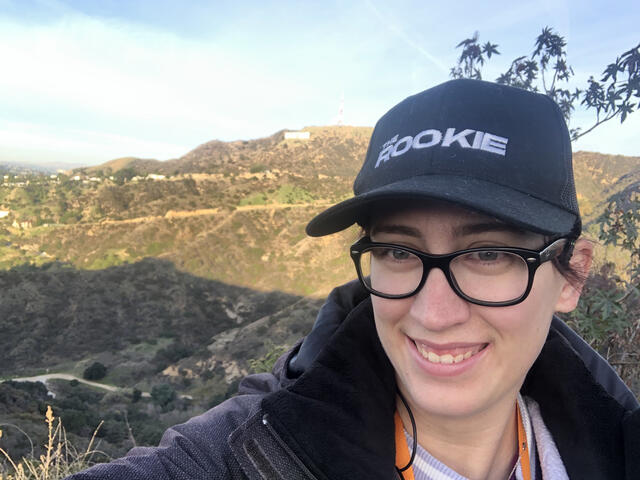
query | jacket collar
[338, 416]
[584, 420]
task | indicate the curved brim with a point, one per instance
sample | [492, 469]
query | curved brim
[510, 206]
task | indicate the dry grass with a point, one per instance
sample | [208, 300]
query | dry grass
[60, 459]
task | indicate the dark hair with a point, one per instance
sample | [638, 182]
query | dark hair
[563, 264]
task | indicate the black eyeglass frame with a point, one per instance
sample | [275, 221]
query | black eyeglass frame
[533, 259]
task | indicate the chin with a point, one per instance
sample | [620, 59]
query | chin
[447, 401]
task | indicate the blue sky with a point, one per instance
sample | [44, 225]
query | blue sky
[83, 82]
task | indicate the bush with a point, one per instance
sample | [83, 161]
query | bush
[96, 371]
[163, 395]
[136, 395]
[257, 168]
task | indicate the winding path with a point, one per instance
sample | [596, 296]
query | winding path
[66, 376]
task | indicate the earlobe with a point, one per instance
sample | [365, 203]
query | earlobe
[580, 263]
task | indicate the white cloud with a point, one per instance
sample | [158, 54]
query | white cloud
[86, 70]
[17, 137]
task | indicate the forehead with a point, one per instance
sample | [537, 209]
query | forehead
[446, 217]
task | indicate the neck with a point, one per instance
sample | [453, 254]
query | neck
[481, 446]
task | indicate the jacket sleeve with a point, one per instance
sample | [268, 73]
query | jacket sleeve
[197, 449]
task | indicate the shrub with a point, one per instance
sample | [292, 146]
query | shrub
[162, 395]
[257, 168]
[95, 371]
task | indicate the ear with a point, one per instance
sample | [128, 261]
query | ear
[581, 264]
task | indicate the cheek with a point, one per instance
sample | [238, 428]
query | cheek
[388, 314]
[525, 326]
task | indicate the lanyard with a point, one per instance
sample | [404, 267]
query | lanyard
[403, 455]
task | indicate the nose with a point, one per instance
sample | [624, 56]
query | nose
[436, 306]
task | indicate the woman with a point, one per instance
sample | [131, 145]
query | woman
[445, 361]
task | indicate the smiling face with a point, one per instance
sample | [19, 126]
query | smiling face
[451, 357]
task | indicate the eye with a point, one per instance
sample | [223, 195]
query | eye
[399, 254]
[395, 255]
[488, 256]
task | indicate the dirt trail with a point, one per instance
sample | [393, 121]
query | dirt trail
[66, 376]
[173, 214]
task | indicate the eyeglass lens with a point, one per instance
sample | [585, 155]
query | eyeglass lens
[487, 276]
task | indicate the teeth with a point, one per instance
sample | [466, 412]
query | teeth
[447, 358]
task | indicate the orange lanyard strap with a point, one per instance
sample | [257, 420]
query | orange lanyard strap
[523, 447]
[403, 455]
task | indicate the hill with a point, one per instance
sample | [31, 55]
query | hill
[332, 151]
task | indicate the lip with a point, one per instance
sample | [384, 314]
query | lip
[446, 370]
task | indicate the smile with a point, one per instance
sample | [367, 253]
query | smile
[448, 356]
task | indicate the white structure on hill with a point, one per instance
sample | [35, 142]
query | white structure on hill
[340, 118]
[297, 135]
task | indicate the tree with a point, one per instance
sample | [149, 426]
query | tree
[124, 175]
[546, 69]
[162, 395]
[95, 371]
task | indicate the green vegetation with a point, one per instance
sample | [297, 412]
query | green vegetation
[266, 362]
[95, 371]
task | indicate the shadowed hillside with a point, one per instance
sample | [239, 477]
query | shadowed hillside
[58, 315]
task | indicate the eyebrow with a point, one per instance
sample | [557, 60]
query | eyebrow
[399, 229]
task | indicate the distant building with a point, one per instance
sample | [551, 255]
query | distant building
[4, 213]
[155, 176]
[297, 135]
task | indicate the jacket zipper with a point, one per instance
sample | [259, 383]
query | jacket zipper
[285, 447]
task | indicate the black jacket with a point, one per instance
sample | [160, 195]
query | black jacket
[327, 413]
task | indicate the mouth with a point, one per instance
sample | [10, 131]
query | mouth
[448, 355]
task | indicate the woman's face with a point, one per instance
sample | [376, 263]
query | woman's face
[451, 357]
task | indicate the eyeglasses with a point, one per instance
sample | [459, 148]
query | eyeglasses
[490, 276]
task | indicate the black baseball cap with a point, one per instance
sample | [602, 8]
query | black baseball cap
[499, 150]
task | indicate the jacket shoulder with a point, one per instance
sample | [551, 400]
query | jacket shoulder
[198, 448]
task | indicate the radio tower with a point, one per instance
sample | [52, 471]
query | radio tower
[340, 117]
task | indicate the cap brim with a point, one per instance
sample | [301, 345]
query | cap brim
[513, 207]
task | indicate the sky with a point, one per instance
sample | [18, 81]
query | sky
[86, 81]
